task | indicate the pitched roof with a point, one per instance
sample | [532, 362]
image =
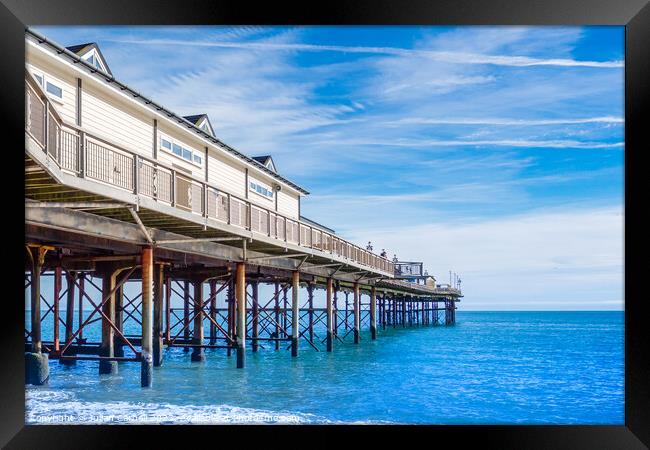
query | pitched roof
[158, 108]
[267, 161]
[195, 118]
[81, 49]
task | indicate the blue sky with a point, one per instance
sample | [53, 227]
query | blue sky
[495, 152]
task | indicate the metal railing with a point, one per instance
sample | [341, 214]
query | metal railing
[75, 150]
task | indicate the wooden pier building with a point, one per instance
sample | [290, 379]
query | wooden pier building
[118, 189]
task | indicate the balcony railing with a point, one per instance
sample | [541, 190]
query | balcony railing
[88, 156]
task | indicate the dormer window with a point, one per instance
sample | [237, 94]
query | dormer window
[91, 54]
[94, 60]
[202, 122]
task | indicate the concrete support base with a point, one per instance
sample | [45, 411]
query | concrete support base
[241, 357]
[146, 370]
[107, 367]
[198, 355]
[294, 347]
[37, 368]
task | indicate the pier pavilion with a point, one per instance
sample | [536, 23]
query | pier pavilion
[118, 189]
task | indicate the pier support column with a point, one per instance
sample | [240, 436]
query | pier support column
[158, 293]
[357, 313]
[310, 314]
[335, 311]
[295, 314]
[198, 355]
[373, 313]
[230, 310]
[71, 278]
[37, 368]
[213, 311]
[255, 312]
[82, 290]
[119, 320]
[168, 308]
[186, 314]
[240, 292]
[277, 315]
[146, 364]
[329, 315]
[58, 281]
[107, 348]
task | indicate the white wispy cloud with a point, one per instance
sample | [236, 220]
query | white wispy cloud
[414, 143]
[505, 122]
[526, 260]
[449, 57]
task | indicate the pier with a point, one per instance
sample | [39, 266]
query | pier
[106, 216]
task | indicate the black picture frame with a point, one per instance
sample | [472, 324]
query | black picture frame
[15, 15]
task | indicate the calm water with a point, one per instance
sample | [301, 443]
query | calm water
[491, 367]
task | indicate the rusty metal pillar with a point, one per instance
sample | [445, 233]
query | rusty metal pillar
[241, 314]
[119, 320]
[295, 319]
[37, 369]
[373, 313]
[82, 290]
[213, 311]
[230, 309]
[310, 312]
[329, 314]
[71, 278]
[146, 367]
[107, 348]
[255, 313]
[57, 294]
[198, 354]
[335, 308]
[158, 293]
[357, 313]
[285, 308]
[383, 311]
[277, 315]
[186, 314]
[168, 307]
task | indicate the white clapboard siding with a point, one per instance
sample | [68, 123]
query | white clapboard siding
[226, 175]
[288, 204]
[116, 121]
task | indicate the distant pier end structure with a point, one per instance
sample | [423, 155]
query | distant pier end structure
[134, 210]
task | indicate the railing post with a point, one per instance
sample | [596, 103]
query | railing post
[229, 209]
[205, 200]
[46, 126]
[82, 154]
[173, 187]
[136, 178]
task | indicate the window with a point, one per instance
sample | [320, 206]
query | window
[51, 87]
[94, 60]
[260, 189]
[54, 90]
[169, 145]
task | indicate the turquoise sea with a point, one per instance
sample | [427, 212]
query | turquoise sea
[489, 368]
